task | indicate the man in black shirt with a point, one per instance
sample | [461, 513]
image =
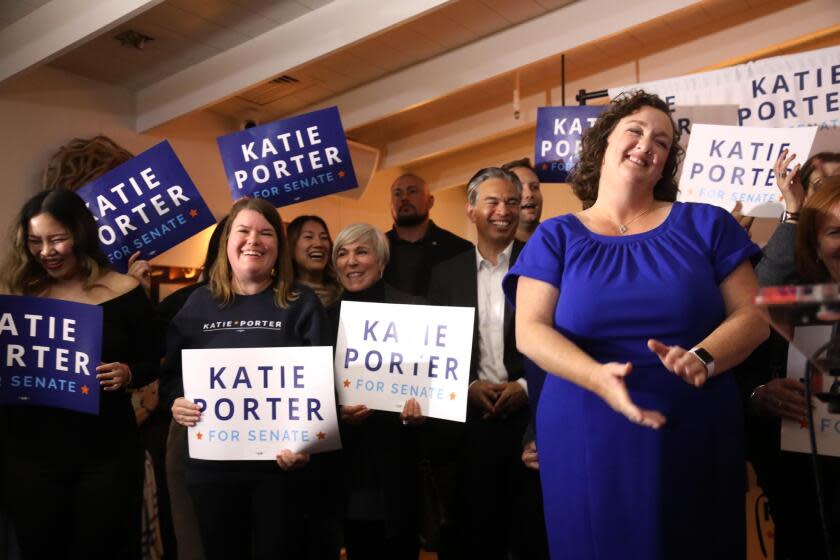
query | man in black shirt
[416, 243]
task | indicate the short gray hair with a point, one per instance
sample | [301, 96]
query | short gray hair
[491, 173]
[363, 233]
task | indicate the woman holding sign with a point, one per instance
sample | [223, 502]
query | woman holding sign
[74, 480]
[381, 448]
[638, 305]
[246, 508]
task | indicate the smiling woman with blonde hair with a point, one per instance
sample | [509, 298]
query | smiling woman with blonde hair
[256, 503]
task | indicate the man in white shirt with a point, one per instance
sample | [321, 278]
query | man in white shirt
[484, 453]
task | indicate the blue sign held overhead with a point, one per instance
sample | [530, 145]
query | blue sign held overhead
[148, 204]
[290, 160]
[559, 134]
[49, 350]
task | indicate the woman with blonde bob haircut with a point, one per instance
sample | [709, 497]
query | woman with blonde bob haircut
[380, 448]
[251, 283]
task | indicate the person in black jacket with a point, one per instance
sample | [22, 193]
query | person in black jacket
[492, 498]
[380, 448]
[245, 508]
[73, 481]
[416, 243]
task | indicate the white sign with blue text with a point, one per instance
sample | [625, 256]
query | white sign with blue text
[389, 353]
[727, 164]
[258, 401]
[794, 437]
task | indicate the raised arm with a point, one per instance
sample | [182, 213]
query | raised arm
[537, 338]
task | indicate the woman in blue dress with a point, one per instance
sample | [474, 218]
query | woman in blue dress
[638, 305]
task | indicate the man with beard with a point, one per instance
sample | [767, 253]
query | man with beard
[416, 243]
[531, 209]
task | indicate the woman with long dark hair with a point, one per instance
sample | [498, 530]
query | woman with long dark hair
[74, 480]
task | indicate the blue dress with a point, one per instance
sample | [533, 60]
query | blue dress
[613, 489]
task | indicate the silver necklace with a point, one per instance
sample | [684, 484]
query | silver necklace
[622, 228]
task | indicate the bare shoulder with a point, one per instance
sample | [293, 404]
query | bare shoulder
[117, 284]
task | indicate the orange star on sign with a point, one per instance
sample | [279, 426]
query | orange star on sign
[346, 383]
[85, 390]
[199, 435]
[452, 396]
[321, 435]
[341, 173]
[193, 213]
[545, 166]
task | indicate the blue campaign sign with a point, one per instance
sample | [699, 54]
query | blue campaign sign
[291, 160]
[559, 133]
[148, 204]
[49, 350]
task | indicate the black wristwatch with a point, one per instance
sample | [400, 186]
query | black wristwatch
[789, 217]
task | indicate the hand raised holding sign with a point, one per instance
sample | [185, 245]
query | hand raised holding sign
[788, 182]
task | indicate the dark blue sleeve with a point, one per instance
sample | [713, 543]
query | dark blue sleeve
[541, 259]
[730, 244]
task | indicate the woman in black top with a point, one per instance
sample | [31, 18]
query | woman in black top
[380, 448]
[74, 480]
[245, 508]
[311, 249]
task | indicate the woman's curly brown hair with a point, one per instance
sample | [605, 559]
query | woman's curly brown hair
[587, 173]
[82, 160]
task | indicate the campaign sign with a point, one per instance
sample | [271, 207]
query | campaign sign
[727, 164]
[258, 401]
[389, 353]
[794, 436]
[148, 204]
[290, 160]
[559, 134]
[50, 349]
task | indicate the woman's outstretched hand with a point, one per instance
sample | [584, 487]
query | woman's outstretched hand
[610, 386]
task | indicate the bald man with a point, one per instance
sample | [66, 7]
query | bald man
[416, 242]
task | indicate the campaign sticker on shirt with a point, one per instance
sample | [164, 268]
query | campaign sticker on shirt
[289, 160]
[147, 204]
[258, 401]
[50, 349]
[389, 353]
[559, 134]
[729, 164]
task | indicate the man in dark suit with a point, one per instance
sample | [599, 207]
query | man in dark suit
[416, 242]
[486, 479]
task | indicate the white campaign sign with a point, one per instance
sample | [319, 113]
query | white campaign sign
[795, 437]
[790, 90]
[389, 353]
[727, 164]
[259, 401]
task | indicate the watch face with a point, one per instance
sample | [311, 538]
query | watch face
[703, 355]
